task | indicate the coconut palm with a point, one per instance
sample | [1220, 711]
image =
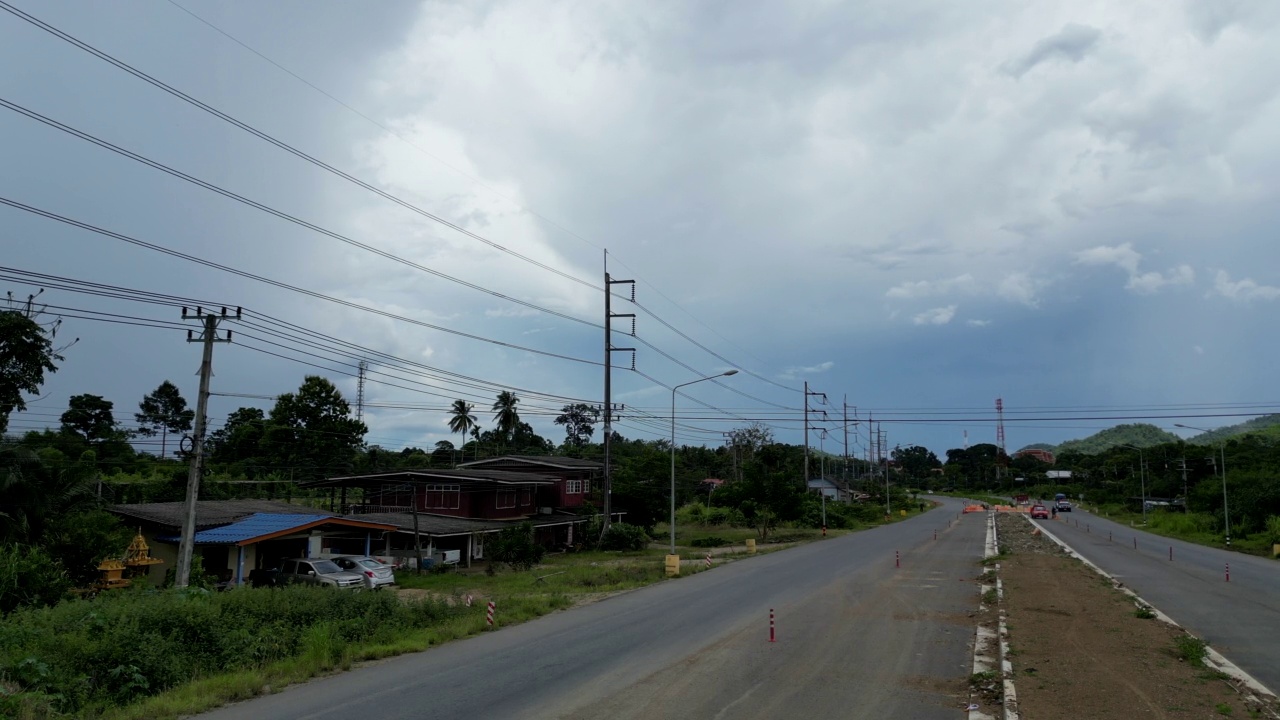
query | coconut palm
[462, 421]
[505, 415]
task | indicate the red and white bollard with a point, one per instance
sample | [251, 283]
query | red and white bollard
[1228, 572]
[771, 635]
[708, 559]
[468, 601]
[489, 613]
[1170, 553]
[897, 559]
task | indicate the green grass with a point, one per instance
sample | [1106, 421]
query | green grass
[1191, 649]
[1198, 528]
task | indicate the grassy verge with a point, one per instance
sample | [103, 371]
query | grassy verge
[1197, 528]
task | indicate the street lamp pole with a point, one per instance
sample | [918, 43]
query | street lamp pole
[673, 448]
[1226, 513]
[1142, 475]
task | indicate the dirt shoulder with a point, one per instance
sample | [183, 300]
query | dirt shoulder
[1081, 649]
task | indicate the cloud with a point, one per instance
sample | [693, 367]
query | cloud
[936, 316]
[1071, 43]
[792, 373]
[1021, 288]
[978, 323]
[1244, 291]
[1199, 350]
[1126, 258]
[927, 288]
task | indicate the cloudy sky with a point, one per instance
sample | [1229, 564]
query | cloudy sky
[918, 207]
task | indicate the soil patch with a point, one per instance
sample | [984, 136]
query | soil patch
[1081, 650]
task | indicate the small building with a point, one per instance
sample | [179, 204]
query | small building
[823, 486]
[235, 537]
[1040, 454]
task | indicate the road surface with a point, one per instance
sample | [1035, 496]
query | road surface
[1240, 618]
[856, 636]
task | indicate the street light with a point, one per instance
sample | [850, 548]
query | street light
[1142, 474]
[1226, 514]
[673, 449]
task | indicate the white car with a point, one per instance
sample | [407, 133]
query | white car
[373, 572]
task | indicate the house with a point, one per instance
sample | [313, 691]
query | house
[1040, 454]
[827, 488]
[454, 510]
[235, 537]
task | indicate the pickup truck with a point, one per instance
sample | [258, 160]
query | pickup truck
[1063, 506]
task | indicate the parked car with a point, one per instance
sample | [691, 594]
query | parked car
[319, 572]
[373, 572]
[1039, 512]
[1063, 506]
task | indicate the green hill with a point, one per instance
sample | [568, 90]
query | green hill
[1266, 425]
[1141, 435]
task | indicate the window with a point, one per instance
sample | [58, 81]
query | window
[586, 487]
[506, 499]
[526, 497]
[573, 487]
[443, 497]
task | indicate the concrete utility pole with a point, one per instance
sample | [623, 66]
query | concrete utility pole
[208, 336]
[807, 394]
[609, 350]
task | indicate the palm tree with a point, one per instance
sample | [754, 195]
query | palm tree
[505, 415]
[462, 421]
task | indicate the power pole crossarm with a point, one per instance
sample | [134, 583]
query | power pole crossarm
[208, 336]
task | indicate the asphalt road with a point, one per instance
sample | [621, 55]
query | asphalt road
[856, 636]
[1240, 618]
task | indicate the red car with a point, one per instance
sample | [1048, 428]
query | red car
[1039, 512]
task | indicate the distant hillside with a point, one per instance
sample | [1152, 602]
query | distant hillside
[1139, 434]
[1267, 424]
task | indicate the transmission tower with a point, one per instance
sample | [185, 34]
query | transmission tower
[362, 368]
[1000, 424]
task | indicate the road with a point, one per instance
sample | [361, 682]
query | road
[855, 636]
[1240, 618]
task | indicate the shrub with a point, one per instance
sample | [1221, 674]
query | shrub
[516, 547]
[622, 536]
[708, 542]
[30, 576]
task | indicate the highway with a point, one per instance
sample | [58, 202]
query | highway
[1240, 618]
[856, 636]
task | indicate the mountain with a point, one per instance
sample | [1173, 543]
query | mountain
[1267, 424]
[1141, 435]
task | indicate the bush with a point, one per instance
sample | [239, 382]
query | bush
[622, 536]
[709, 542]
[86, 655]
[516, 547]
[30, 577]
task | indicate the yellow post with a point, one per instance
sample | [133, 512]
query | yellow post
[903, 512]
[1275, 550]
[751, 546]
[673, 565]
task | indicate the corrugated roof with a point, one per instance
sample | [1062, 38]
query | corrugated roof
[555, 461]
[479, 476]
[265, 525]
[441, 526]
[209, 513]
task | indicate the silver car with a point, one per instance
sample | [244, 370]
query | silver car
[319, 572]
[374, 573]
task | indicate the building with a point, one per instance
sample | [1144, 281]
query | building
[235, 537]
[1040, 454]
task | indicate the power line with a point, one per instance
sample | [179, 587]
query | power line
[278, 213]
[66, 37]
[259, 278]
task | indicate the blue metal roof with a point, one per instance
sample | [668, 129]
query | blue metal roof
[254, 526]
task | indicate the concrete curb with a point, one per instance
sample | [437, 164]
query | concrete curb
[981, 661]
[1214, 659]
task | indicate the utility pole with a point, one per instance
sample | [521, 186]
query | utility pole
[1185, 498]
[208, 336]
[808, 393]
[609, 350]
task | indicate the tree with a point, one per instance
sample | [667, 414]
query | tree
[505, 416]
[26, 354]
[916, 462]
[312, 430]
[579, 423]
[443, 453]
[90, 417]
[164, 411]
[239, 440]
[462, 421]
